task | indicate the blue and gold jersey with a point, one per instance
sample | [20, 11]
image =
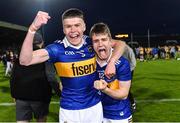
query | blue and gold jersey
[76, 69]
[114, 108]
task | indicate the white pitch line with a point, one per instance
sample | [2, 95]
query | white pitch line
[12, 104]
[7, 104]
[138, 101]
[160, 100]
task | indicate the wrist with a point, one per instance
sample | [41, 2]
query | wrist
[30, 31]
[32, 28]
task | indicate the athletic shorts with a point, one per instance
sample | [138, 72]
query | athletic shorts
[128, 120]
[93, 114]
[25, 110]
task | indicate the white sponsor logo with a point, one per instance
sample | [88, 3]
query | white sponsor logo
[69, 53]
[81, 52]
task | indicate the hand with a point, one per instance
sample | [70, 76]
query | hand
[100, 85]
[40, 19]
[110, 70]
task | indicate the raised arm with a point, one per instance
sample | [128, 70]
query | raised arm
[27, 55]
[119, 47]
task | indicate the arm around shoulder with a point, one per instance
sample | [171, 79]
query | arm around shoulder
[119, 47]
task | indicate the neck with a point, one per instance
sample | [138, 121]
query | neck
[100, 61]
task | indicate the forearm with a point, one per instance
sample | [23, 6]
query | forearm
[116, 94]
[119, 47]
[120, 93]
[26, 53]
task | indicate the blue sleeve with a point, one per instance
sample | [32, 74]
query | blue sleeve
[53, 51]
[123, 71]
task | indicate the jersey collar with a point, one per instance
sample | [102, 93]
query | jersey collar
[67, 44]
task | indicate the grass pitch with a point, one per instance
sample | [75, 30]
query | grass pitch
[156, 88]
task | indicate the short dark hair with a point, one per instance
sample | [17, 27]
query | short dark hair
[100, 28]
[73, 12]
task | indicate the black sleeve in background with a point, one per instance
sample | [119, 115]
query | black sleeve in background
[51, 76]
[12, 79]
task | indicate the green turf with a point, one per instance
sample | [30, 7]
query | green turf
[7, 113]
[153, 81]
[156, 80]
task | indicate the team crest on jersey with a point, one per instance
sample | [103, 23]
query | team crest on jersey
[90, 48]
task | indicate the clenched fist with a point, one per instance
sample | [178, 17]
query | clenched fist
[110, 69]
[100, 84]
[40, 19]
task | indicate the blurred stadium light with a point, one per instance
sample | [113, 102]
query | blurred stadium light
[122, 36]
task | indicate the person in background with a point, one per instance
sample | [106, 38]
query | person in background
[115, 101]
[130, 56]
[75, 63]
[141, 54]
[31, 88]
[9, 64]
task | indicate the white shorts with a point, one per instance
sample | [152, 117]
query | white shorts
[128, 120]
[93, 114]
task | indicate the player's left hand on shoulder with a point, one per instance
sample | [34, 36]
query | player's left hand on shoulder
[110, 70]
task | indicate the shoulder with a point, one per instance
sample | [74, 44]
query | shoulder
[58, 43]
[121, 61]
[55, 45]
[87, 39]
[55, 48]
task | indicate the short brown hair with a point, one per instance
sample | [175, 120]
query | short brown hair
[73, 12]
[100, 28]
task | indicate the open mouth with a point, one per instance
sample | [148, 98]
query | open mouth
[101, 50]
[102, 53]
[73, 35]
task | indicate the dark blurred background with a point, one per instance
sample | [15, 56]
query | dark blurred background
[148, 22]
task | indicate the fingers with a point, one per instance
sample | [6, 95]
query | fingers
[44, 15]
[109, 76]
[100, 84]
[40, 19]
[96, 85]
[110, 71]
